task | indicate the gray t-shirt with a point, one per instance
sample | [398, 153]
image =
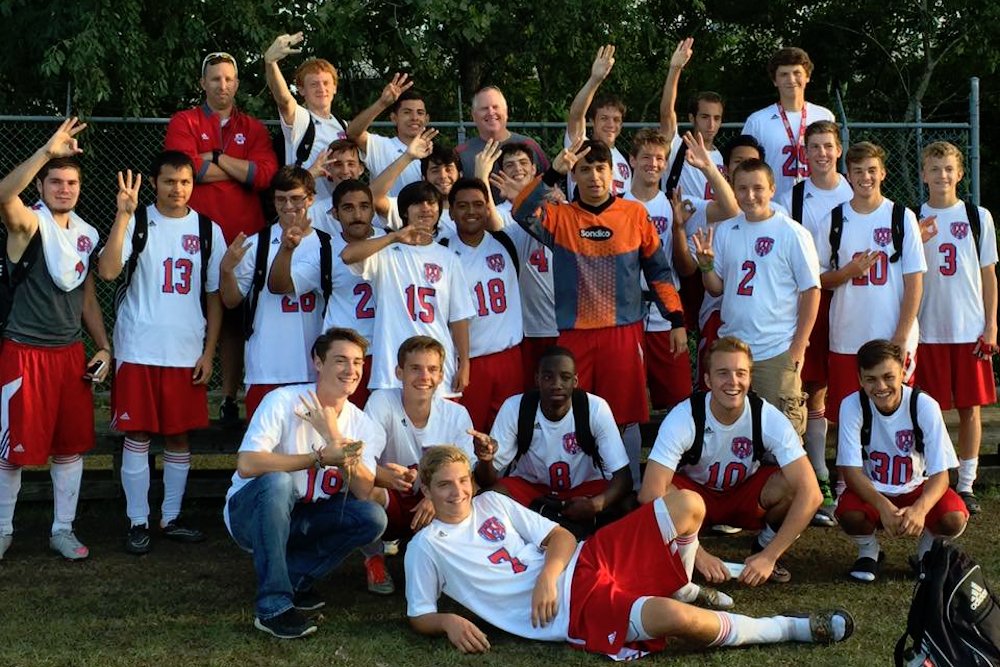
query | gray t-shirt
[471, 148]
[42, 314]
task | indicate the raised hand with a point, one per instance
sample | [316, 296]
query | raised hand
[291, 237]
[569, 156]
[928, 228]
[63, 143]
[508, 188]
[683, 208]
[128, 192]
[703, 247]
[484, 446]
[319, 165]
[697, 155]
[411, 235]
[281, 47]
[603, 62]
[422, 144]
[401, 478]
[234, 253]
[486, 158]
[682, 54]
[399, 84]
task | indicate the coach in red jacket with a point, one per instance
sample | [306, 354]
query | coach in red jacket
[233, 160]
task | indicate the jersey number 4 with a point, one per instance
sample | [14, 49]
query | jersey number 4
[420, 304]
[503, 556]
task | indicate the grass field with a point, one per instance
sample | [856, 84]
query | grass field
[192, 605]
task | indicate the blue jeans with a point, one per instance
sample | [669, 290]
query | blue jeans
[294, 544]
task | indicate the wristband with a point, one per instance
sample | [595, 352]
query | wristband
[215, 157]
[705, 268]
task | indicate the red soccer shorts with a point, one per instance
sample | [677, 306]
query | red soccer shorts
[815, 368]
[739, 506]
[493, 378]
[952, 371]
[45, 403]
[669, 375]
[157, 399]
[525, 492]
[400, 514]
[361, 394]
[609, 363]
[949, 502]
[256, 394]
[622, 562]
[709, 335]
[531, 352]
[843, 381]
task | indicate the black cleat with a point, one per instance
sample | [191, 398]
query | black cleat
[971, 502]
[137, 542]
[308, 601]
[178, 531]
[290, 624]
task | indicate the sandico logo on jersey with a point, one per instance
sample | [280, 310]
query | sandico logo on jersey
[659, 222]
[742, 447]
[569, 443]
[191, 243]
[84, 244]
[492, 530]
[596, 233]
[959, 229]
[495, 262]
[882, 236]
[763, 245]
[905, 441]
[432, 273]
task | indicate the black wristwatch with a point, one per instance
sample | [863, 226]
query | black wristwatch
[215, 157]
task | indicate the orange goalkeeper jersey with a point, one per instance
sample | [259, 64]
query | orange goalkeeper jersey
[597, 254]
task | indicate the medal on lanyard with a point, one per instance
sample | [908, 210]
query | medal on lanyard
[795, 145]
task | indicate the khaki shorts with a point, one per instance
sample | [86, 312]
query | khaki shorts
[778, 382]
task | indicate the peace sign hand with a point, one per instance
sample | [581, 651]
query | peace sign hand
[486, 158]
[394, 89]
[569, 156]
[281, 47]
[422, 144]
[682, 54]
[128, 192]
[63, 143]
[234, 253]
[603, 62]
[703, 247]
[697, 155]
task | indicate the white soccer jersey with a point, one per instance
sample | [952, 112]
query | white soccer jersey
[352, 300]
[764, 267]
[275, 428]
[951, 310]
[328, 130]
[380, 152]
[419, 291]
[553, 457]
[621, 172]
[405, 444]
[285, 326]
[727, 451]
[538, 296]
[493, 284]
[393, 221]
[816, 203]
[785, 147]
[894, 465]
[867, 307]
[488, 563]
[699, 222]
[693, 181]
[160, 322]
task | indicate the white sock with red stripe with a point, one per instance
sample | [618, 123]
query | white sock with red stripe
[815, 442]
[687, 549]
[175, 474]
[736, 630]
[135, 480]
[66, 473]
[10, 486]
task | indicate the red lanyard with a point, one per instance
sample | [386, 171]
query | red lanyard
[788, 131]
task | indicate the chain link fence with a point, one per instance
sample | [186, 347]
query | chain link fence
[111, 145]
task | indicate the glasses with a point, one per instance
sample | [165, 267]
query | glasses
[295, 200]
[216, 58]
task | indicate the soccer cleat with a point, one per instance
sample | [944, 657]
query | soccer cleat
[65, 543]
[780, 574]
[971, 502]
[713, 598]
[307, 601]
[179, 532]
[5, 541]
[726, 530]
[137, 540]
[866, 569]
[390, 548]
[379, 580]
[290, 624]
[823, 624]
[229, 413]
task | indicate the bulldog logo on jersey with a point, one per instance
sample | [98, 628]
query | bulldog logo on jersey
[742, 448]
[492, 530]
[84, 244]
[191, 243]
[624, 171]
[959, 229]
[432, 273]
[882, 236]
[763, 245]
[904, 440]
[659, 222]
[495, 262]
[569, 443]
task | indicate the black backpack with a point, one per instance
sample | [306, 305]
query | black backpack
[866, 422]
[676, 167]
[140, 234]
[837, 230]
[954, 618]
[260, 274]
[972, 215]
[798, 201]
[581, 418]
[13, 274]
[697, 399]
[305, 146]
[504, 240]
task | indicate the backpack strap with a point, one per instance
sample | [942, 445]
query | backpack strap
[975, 224]
[259, 279]
[798, 200]
[898, 231]
[693, 453]
[304, 149]
[756, 408]
[325, 267]
[581, 423]
[918, 433]
[511, 249]
[836, 231]
[444, 241]
[866, 423]
[676, 167]
[205, 251]
[140, 233]
[525, 423]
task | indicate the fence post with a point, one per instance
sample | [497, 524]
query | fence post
[974, 157]
[919, 117]
[69, 97]
[845, 132]
[461, 123]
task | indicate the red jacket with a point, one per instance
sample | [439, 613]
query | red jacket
[235, 206]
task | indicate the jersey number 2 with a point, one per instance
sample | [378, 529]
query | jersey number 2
[745, 288]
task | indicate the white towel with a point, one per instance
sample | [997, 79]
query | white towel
[67, 251]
